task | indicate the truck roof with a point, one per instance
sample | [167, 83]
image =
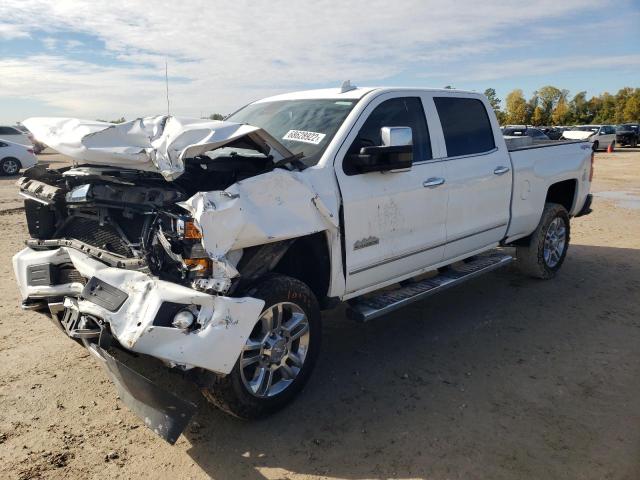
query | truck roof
[355, 93]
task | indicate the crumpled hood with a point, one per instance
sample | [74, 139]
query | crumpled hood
[157, 144]
[577, 134]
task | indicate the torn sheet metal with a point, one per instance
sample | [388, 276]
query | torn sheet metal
[157, 144]
[224, 322]
[267, 208]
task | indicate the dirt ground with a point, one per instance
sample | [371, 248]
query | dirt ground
[503, 377]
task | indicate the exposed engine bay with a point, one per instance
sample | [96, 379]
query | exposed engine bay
[133, 219]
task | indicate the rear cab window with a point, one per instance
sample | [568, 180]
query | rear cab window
[466, 126]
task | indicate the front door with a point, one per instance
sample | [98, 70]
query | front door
[394, 222]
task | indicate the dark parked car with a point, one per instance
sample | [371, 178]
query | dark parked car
[628, 134]
[523, 131]
[554, 133]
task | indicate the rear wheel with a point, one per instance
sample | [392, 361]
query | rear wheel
[596, 145]
[9, 166]
[546, 248]
[278, 356]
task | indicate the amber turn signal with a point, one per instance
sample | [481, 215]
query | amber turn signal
[200, 264]
[191, 231]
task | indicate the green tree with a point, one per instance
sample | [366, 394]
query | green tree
[561, 113]
[622, 97]
[579, 111]
[548, 98]
[607, 111]
[516, 108]
[216, 116]
[631, 111]
[491, 95]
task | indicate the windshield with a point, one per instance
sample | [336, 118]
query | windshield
[303, 126]
[626, 128]
[587, 129]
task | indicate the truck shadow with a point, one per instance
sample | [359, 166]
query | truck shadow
[498, 377]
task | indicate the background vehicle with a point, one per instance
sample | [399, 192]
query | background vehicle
[15, 135]
[14, 156]
[601, 136]
[554, 133]
[523, 130]
[216, 255]
[628, 134]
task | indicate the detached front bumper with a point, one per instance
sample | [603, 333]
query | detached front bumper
[137, 309]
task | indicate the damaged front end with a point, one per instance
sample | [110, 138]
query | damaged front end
[110, 258]
[149, 245]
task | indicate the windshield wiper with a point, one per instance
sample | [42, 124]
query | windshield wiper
[294, 160]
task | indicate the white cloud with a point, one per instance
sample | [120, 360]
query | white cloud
[9, 31]
[232, 52]
[49, 43]
[546, 66]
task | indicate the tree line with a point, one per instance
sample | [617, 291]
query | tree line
[552, 106]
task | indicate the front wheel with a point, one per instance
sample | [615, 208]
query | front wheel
[277, 358]
[546, 248]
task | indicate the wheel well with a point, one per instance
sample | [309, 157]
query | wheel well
[308, 260]
[562, 193]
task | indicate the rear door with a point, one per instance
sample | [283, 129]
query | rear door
[477, 172]
[394, 222]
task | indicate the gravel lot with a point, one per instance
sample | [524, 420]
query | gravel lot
[504, 377]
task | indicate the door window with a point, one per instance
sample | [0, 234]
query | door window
[465, 124]
[396, 112]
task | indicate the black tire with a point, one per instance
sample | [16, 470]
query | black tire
[229, 392]
[7, 166]
[633, 143]
[531, 254]
[596, 145]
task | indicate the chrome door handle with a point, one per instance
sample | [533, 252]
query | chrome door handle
[433, 182]
[501, 170]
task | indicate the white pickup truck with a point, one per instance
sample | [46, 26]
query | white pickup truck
[214, 246]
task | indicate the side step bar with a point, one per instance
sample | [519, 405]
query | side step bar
[367, 308]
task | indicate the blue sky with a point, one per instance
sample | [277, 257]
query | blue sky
[106, 59]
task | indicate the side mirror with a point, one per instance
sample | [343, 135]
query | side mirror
[395, 153]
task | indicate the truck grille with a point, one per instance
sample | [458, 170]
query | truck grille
[92, 233]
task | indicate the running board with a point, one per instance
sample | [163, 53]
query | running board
[367, 308]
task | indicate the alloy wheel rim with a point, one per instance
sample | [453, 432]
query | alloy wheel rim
[10, 166]
[275, 352]
[554, 242]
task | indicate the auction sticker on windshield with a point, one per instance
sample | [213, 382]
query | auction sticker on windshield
[305, 137]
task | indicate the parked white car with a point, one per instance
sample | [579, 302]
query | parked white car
[14, 157]
[601, 136]
[14, 135]
[214, 246]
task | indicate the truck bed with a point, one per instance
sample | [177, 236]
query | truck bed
[528, 143]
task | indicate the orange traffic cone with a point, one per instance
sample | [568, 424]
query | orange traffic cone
[610, 148]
